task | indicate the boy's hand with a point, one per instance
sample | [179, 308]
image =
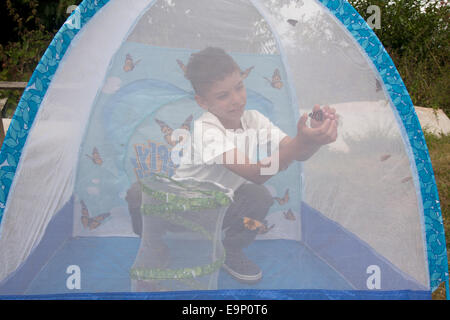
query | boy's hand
[326, 113]
[321, 132]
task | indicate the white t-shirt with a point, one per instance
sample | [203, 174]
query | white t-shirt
[210, 140]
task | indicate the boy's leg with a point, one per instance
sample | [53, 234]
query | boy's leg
[134, 200]
[252, 201]
[158, 226]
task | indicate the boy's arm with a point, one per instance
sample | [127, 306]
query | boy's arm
[299, 148]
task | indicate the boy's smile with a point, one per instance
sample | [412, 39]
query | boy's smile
[226, 99]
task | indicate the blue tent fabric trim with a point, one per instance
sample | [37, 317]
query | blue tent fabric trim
[435, 237]
[34, 93]
[241, 294]
[37, 87]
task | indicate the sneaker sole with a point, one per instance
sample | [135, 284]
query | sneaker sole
[243, 277]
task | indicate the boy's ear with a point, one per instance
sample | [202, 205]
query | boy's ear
[201, 101]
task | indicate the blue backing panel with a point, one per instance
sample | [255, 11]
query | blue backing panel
[348, 254]
[58, 231]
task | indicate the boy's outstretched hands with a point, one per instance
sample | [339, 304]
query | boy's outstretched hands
[323, 129]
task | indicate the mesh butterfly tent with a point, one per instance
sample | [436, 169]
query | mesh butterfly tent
[96, 201]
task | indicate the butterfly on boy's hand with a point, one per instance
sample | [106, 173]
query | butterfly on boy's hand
[284, 200]
[129, 63]
[276, 80]
[260, 227]
[182, 66]
[246, 72]
[95, 157]
[317, 115]
[167, 130]
[289, 215]
[87, 221]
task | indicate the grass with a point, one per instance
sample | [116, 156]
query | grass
[439, 149]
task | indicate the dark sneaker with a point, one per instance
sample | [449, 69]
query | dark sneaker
[242, 268]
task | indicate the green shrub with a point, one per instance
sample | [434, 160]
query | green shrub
[18, 60]
[34, 23]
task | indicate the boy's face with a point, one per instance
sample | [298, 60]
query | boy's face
[226, 99]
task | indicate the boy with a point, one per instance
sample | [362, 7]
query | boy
[219, 90]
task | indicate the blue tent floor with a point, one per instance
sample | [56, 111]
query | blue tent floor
[105, 263]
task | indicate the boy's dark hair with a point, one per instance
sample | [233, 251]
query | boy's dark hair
[208, 66]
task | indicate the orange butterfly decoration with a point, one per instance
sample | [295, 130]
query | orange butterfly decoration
[252, 224]
[167, 130]
[87, 221]
[129, 63]
[284, 200]
[186, 125]
[276, 80]
[96, 158]
[246, 72]
[289, 215]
